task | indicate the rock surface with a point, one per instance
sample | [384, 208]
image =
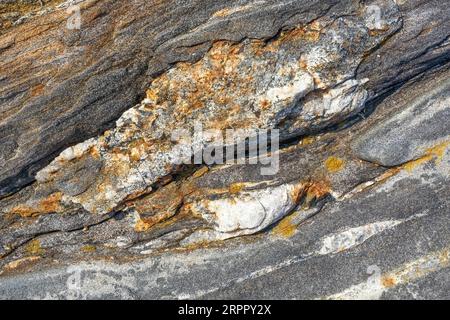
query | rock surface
[98, 200]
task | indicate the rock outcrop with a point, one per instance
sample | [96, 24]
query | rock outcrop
[97, 185]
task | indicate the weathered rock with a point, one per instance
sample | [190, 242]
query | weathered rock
[110, 61]
[253, 84]
[352, 246]
[421, 128]
[357, 206]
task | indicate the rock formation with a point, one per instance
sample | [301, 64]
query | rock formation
[96, 188]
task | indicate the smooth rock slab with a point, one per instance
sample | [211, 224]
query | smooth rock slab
[417, 130]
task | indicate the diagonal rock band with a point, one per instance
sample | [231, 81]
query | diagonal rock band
[101, 153]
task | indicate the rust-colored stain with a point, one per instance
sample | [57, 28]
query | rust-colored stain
[334, 164]
[378, 32]
[22, 8]
[297, 193]
[50, 204]
[37, 90]
[142, 226]
[265, 104]
[94, 153]
[218, 80]
[158, 206]
[316, 190]
[309, 33]
[20, 263]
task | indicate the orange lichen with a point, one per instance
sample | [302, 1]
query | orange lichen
[317, 190]
[286, 228]
[388, 282]
[334, 164]
[50, 204]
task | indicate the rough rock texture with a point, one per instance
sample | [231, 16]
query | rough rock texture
[98, 200]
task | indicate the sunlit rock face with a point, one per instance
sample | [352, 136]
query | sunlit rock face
[103, 129]
[299, 82]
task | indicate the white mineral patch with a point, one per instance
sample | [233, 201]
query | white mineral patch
[374, 288]
[302, 84]
[343, 100]
[69, 154]
[352, 237]
[246, 213]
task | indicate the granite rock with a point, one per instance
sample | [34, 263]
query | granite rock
[100, 198]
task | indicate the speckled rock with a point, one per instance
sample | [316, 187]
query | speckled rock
[100, 196]
[422, 128]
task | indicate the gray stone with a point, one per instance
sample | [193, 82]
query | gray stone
[358, 207]
[407, 136]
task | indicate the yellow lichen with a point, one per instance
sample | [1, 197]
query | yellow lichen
[236, 188]
[88, 248]
[439, 150]
[334, 164]
[307, 141]
[200, 172]
[286, 228]
[34, 247]
[411, 165]
[142, 226]
[435, 153]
